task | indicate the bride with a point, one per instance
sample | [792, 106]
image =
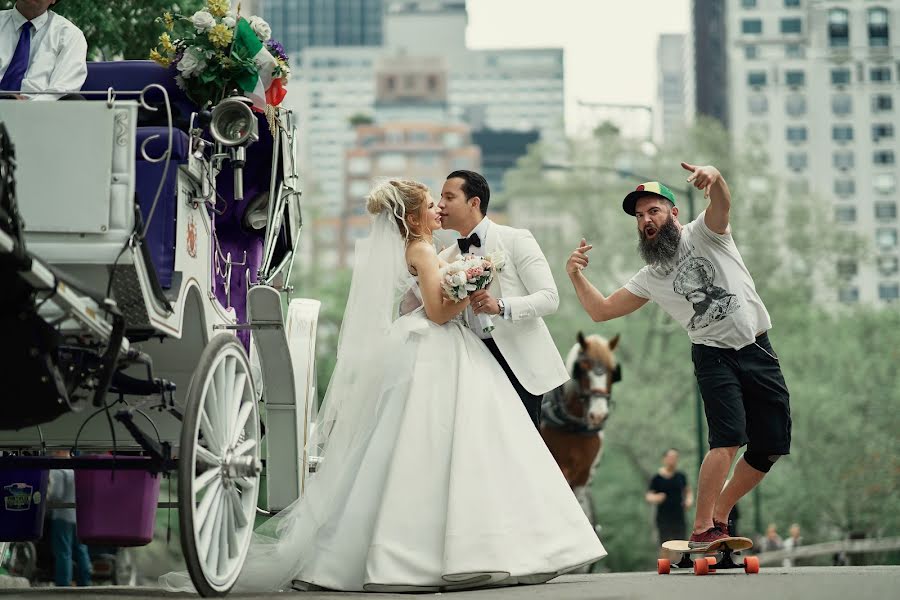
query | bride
[433, 476]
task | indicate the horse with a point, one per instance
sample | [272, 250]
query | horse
[573, 416]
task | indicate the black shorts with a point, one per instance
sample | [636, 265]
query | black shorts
[744, 396]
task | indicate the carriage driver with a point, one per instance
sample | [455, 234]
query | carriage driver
[696, 274]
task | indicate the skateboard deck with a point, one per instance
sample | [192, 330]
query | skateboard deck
[732, 543]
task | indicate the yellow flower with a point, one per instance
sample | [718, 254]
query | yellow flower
[159, 58]
[217, 8]
[166, 42]
[220, 35]
[169, 20]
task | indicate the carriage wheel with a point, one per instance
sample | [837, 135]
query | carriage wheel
[218, 466]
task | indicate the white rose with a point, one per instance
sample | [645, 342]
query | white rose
[459, 278]
[260, 28]
[203, 20]
[229, 21]
[192, 62]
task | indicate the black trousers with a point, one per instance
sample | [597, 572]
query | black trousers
[531, 402]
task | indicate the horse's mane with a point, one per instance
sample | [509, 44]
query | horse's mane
[597, 348]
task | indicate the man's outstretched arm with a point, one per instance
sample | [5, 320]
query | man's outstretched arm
[598, 306]
[710, 180]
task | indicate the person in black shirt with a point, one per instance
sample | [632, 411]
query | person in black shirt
[670, 493]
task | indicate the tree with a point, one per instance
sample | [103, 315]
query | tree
[122, 29]
[839, 363]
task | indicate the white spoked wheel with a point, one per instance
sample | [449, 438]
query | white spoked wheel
[218, 466]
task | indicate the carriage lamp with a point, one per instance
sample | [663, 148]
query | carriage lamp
[233, 125]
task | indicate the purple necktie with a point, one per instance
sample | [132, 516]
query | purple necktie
[18, 65]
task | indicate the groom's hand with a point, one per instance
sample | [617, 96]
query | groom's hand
[483, 302]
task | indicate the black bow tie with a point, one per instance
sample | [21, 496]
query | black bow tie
[467, 242]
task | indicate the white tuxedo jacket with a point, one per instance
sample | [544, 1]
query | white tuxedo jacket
[526, 285]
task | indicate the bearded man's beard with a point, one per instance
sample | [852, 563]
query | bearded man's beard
[663, 247]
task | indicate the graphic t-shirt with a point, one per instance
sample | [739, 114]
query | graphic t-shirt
[671, 509]
[707, 288]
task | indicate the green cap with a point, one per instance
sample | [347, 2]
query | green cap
[649, 188]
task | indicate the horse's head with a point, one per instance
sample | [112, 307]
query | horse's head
[593, 368]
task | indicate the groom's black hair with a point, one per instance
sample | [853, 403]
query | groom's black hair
[474, 184]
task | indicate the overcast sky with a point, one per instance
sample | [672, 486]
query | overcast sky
[610, 45]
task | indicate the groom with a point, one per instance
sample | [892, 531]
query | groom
[520, 295]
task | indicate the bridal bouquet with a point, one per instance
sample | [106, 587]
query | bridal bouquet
[216, 50]
[470, 273]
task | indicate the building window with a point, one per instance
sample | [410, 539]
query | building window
[751, 26]
[888, 265]
[848, 294]
[842, 104]
[795, 105]
[795, 134]
[885, 210]
[838, 28]
[796, 160]
[886, 238]
[794, 51]
[880, 74]
[842, 133]
[846, 268]
[756, 78]
[883, 157]
[843, 159]
[758, 104]
[840, 76]
[844, 187]
[792, 25]
[888, 292]
[751, 52]
[878, 28]
[882, 131]
[882, 103]
[845, 214]
[795, 78]
[748, 3]
[884, 183]
[791, 3]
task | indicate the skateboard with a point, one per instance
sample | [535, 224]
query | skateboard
[709, 564]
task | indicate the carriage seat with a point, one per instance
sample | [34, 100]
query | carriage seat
[135, 75]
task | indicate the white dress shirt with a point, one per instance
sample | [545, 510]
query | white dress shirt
[57, 62]
[481, 229]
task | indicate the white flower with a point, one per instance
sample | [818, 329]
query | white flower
[192, 62]
[179, 81]
[459, 278]
[260, 28]
[229, 21]
[498, 259]
[203, 20]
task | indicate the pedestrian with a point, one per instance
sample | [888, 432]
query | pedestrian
[670, 493]
[63, 541]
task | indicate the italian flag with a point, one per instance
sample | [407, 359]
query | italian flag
[259, 86]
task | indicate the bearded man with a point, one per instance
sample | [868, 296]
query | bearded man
[696, 274]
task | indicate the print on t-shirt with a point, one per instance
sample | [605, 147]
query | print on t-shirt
[695, 281]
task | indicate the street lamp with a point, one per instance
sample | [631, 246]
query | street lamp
[689, 194]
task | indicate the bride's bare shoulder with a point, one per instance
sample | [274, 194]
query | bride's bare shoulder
[420, 248]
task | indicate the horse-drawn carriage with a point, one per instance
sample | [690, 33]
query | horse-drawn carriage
[145, 254]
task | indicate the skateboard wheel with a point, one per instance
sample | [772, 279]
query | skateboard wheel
[701, 567]
[663, 566]
[751, 564]
[711, 560]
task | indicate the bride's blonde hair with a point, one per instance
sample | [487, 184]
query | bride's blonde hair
[401, 198]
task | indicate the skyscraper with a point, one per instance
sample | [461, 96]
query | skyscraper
[711, 58]
[298, 24]
[671, 110]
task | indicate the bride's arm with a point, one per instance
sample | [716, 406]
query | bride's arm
[438, 308]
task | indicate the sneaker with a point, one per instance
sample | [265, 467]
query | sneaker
[707, 538]
[723, 527]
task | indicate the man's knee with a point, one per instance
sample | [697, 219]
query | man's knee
[727, 451]
[761, 461]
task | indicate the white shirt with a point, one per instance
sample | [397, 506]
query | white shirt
[707, 289]
[481, 230]
[57, 62]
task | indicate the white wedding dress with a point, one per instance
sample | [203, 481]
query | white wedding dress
[444, 482]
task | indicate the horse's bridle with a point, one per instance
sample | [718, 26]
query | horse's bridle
[556, 413]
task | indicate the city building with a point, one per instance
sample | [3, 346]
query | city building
[672, 113]
[299, 24]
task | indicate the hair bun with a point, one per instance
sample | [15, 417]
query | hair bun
[383, 197]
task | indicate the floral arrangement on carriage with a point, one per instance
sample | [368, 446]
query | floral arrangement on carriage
[216, 51]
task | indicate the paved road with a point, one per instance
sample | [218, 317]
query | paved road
[821, 583]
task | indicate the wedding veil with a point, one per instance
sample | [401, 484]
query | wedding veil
[348, 416]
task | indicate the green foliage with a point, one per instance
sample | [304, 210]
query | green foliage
[121, 29]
